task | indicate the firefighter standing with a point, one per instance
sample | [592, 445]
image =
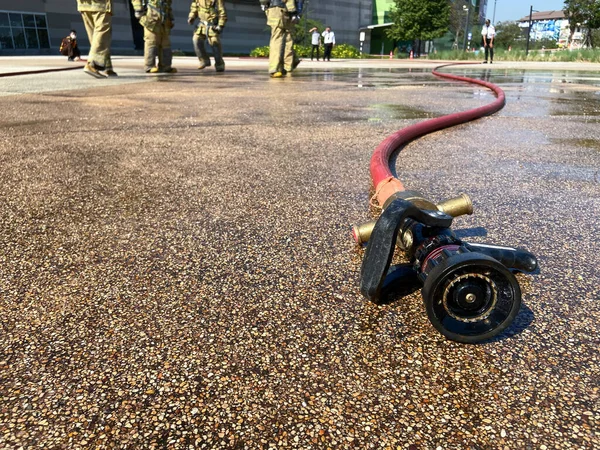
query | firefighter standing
[212, 16]
[281, 17]
[156, 16]
[97, 18]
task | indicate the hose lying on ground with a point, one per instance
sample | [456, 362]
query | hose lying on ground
[384, 182]
[469, 290]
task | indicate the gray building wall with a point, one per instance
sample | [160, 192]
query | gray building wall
[345, 17]
[246, 27]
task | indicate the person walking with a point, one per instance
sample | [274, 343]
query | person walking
[281, 17]
[212, 16]
[488, 33]
[97, 18]
[328, 42]
[316, 42]
[156, 16]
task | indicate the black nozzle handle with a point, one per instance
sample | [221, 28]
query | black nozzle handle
[380, 249]
[513, 258]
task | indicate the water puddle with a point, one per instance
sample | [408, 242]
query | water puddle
[586, 143]
[399, 111]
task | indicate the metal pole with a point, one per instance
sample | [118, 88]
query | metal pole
[467, 25]
[306, 24]
[529, 30]
[494, 15]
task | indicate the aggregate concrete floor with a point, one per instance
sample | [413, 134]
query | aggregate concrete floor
[176, 269]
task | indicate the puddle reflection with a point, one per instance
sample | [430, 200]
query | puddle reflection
[556, 93]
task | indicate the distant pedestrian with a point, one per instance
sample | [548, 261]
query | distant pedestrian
[68, 47]
[488, 33]
[315, 41]
[97, 18]
[328, 42]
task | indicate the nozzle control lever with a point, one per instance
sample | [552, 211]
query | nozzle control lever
[380, 250]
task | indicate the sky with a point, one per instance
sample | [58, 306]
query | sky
[515, 9]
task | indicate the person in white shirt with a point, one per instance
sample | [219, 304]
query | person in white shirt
[316, 42]
[488, 33]
[328, 42]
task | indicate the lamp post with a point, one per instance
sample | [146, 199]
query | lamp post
[494, 15]
[531, 10]
[467, 25]
[305, 7]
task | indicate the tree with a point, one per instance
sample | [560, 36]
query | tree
[508, 34]
[302, 36]
[583, 13]
[419, 19]
[458, 21]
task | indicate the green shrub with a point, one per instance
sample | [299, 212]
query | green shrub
[343, 51]
[303, 51]
[581, 55]
[260, 52]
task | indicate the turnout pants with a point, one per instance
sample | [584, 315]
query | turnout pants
[157, 44]
[98, 26]
[281, 47]
[202, 34]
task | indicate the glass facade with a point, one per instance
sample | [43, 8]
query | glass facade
[23, 31]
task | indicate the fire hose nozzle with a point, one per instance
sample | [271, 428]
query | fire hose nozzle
[457, 206]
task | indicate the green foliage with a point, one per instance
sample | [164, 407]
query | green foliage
[509, 34]
[260, 52]
[305, 25]
[595, 35]
[540, 44]
[303, 51]
[345, 51]
[583, 55]
[584, 13]
[341, 51]
[458, 21]
[419, 19]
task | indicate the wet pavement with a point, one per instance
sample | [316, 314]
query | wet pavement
[176, 267]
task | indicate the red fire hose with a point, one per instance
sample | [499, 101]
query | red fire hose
[35, 72]
[384, 182]
[469, 290]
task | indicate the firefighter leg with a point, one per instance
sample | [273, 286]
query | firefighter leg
[150, 50]
[276, 47]
[200, 50]
[98, 26]
[290, 60]
[215, 43]
[165, 57]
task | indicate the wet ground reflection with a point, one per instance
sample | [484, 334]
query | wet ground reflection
[558, 93]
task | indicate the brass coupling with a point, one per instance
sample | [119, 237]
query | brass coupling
[455, 207]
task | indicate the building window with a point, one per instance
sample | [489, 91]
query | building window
[23, 31]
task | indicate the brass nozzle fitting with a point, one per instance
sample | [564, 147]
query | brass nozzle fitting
[457, 206]
[362, 233]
